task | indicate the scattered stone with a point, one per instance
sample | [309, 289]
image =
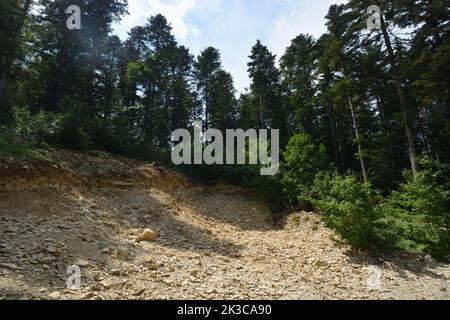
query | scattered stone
[122, 253]
[97, 236]
[87, 295]
[147, 235]
[139, 292]
[48, 260]
[76, 193]
[54, 251]
[96, 287]
[148, 259]
[116, 228]
[168, 282]
[245, 257]
[54, 295]
[82, 263]
[10, 266]
[154, 266]
[320, 264]
[115, 272]
[153, 274]
[51, 249]
[106, 284]
[4, 250]
[194, 273]
[429, 259]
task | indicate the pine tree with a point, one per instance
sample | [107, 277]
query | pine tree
[387, 17]
[298, 68]
[206, 66]
[265, 85]
[223, 102]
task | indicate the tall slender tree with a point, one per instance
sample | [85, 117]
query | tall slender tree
[206, 66]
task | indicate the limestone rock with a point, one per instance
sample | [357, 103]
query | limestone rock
[147, 235]
[10, 266]
[82, 263]
[122, 253]
[54, 295]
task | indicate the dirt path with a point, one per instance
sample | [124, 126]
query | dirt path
[213, 242]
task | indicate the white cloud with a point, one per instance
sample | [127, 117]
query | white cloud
[233, 26]
[174, 10]
[298, 17]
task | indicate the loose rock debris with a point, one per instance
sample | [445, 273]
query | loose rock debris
[139, 231]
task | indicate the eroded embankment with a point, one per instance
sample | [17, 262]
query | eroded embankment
[213, 242]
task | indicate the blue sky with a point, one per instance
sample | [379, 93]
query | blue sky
[233, 26]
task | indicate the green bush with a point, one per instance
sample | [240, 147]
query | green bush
[73, 133]
[11, 144]
[417, 217]
[35, 129]
[347, 205]
[269, 189]
[302, 161]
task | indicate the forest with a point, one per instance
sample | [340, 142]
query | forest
[364, 115]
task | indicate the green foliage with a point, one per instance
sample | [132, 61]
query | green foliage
[73, 133]
[266, 188]
[121, 140]
[11, 144]
[266, 91]
[302, 161]
[298, 66]
[417, 216]
[235, 174]
[269, 189]
[35, 129]
[347, 206]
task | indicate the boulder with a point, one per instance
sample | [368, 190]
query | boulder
[147, 235]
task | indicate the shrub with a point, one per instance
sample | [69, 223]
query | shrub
[269, 189]
[11, 144]
[302, 161]
[36, 129]
[73, 133]
[417, 217]
[347, 205]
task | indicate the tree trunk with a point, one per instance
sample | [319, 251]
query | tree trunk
[384, 121]
[207, 106]
[355, 125]
[261, 114]
[401, 98]
[424, 137]
[334, 137]
[339, 141]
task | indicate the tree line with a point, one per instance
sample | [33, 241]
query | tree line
[369, 102]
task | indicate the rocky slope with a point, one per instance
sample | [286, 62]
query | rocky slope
[213, 242]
